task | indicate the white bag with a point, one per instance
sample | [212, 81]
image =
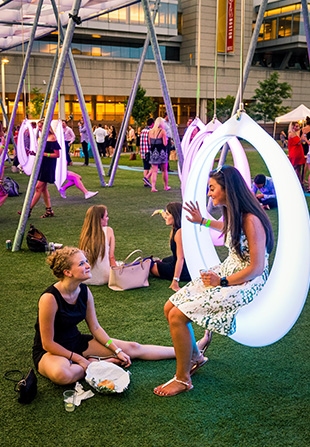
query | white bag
[97, 372]
[130, 276]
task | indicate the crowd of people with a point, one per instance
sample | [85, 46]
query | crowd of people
[62, 354]
[212, 300]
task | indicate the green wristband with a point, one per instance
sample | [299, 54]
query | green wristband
[208, 223]
[108, 343]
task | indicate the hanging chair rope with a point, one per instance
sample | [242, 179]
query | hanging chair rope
[215, 62]
[241, 106]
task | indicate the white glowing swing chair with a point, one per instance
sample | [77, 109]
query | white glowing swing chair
[190, 150]
[277, 307]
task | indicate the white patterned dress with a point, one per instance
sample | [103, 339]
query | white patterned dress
[215, 308]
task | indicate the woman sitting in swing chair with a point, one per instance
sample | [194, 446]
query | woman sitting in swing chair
[213, 299]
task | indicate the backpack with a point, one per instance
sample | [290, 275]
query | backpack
[11, 186]
[36, 240]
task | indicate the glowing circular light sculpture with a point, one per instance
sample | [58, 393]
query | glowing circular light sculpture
[26, 161]
[238, 154]
[275, 310]
[186, 141]
[61, 164]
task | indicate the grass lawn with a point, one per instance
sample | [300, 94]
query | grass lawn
[244, 397]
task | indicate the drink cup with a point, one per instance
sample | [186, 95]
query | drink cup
[69, 400]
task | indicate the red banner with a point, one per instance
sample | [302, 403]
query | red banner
[230, 36]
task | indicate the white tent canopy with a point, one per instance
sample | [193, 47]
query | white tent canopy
[298, 114]
[17, 17]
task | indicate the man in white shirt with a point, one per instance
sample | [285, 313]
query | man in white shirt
[100, 134]
[69, 136]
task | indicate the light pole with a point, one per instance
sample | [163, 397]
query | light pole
[3, 62]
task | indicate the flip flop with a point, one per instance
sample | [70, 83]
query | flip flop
[205, 347]
[198, 364]
[188, 386]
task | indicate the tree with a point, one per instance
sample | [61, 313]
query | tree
[36, 101]
[143, 107]
[268, 99]
[224, 108]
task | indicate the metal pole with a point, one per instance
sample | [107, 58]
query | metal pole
[131, 100]
[162, 80]
[305, 13]
[82, 103]
[246, 70]
[47, 122]
[49, 85]
[21, 82]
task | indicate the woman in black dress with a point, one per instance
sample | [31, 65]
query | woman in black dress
[60, 352]
[173, 267]
[46, 174]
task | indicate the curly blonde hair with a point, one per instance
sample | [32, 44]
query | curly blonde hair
[61, 260]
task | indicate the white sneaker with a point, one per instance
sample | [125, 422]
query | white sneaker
[90, 194]
[62, 192]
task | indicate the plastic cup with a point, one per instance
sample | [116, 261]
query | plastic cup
[69, 400]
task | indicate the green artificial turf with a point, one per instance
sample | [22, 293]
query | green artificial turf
[249, 397]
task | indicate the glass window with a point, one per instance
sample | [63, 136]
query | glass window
[162, 14]
[100, 110]
[173, 14]
[110, 109]
[135, 53]
[285, 26]
[120, 109]
[86, 50]
[296, 24]
[119, 16]
[96, 51]
[270, 29]
[76, 48]
[106, 50]
[134, 13]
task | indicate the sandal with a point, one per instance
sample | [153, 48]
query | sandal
[196, 364]
[49, 213]
[207, 344]
[188, 386]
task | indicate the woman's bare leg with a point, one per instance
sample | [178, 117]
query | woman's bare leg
[164, 168]
[46, 197]
[154, 177]
[154, 270]
[77, 179]
[59, 370]
[185, 348]
[133, 349]
[37, 194]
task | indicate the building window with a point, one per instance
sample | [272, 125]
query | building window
[285, 26]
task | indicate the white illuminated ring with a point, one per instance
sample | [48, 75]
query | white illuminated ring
[200, 143]
[185, 143]
[61, 164]
[26, 161]
[275, 310]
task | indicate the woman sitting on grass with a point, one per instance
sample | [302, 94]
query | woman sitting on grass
[60, 351]
[213, 299]
[98, 242]
[173, 267]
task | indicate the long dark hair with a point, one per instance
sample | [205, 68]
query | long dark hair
[240, 200]
[175, 209]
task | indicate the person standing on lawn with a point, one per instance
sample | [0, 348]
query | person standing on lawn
[145, 151]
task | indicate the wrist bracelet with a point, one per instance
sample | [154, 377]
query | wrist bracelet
[108, 343]
[208, 223]
[48, 155]
[202, 219]
[2, 146]
[70, 356]
[161, 211]
[117, 351]
[176, 278]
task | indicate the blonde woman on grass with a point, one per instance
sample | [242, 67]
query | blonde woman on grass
[158, 152]
[60, 352]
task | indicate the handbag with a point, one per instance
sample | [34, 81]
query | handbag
[26, 386]
[36, 240]
[130, 276]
